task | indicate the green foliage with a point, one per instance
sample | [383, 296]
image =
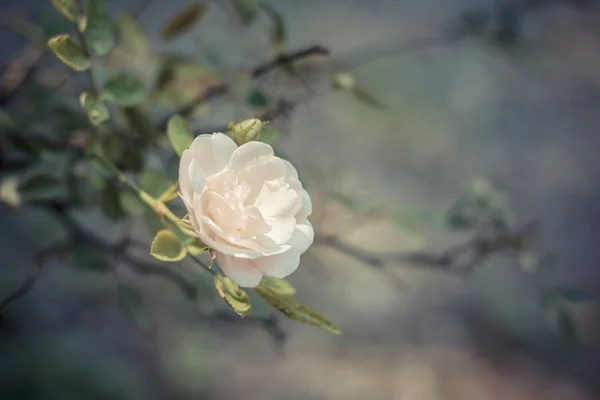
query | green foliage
[166, 246]
[257, 98]
[231, 293]
[247, 10]
[278, 31]
[39, 187]
[124, 90]
[100, 30]
[86, 256]
[69, 52]
[279, 286]
[68, 8]
[184, 20]
[95, 109]
[296, 311]
[179, 133]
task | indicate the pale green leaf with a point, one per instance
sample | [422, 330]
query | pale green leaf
[166, 246]
[9, 192]
[179, 133]
[247, 10]
[280, 286]
[184, 20]
[100, 31]
[231, 293]
[153, 182]
[132, 204]
[195, 247]
[296, 311]
[366, 98]
[124, 90]
[68, 8]
[69, 52]
[95, 110]
[278, 31]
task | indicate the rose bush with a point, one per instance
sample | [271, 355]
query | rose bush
[246, 204]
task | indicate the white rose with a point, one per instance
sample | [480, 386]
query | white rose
[246, 204]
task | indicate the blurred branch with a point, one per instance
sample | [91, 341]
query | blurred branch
[461, 258]
[33, 274]
[281, 60]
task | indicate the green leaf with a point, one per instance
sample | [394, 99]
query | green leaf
[85, 256]
[132, 37]
[153, 182]
[269, 136]
[279, 286]
[247, 10]
[132, 204]
[100, 32]
[257, 98]
[68, 8]
[124, 90]
[95, 110]
[296, 311]
[110, 201]
[278, 31]
[39, 187]
[184, 20]
[368, 99]
[9, 192]
[571, 294]
[69, 52]
[195, 247]
[179, 133]
[166, 246]
[235, 297]
[134, 307]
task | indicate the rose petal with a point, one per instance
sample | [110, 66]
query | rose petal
[241, 271]
[303, 236]
[212, 152]
[290, 171]
[223, 148]
[306, 206]
[276, 199]
[281, 229]
[221, 213]
[248, 152]
[280, 265]
[184, 176]
[196, 176]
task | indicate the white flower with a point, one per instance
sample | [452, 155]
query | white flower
[246, 204]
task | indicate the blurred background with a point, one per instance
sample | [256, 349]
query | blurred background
[450, 149]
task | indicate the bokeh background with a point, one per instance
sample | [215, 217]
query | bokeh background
[514, 98]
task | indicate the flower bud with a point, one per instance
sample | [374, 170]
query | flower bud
[246, 131]
[344, 81]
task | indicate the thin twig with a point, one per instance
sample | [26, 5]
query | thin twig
[475, 251]
[32, 275]
[257, 72]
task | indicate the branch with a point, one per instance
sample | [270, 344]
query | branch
[459, 259]
[258, 71]
[32, 275]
